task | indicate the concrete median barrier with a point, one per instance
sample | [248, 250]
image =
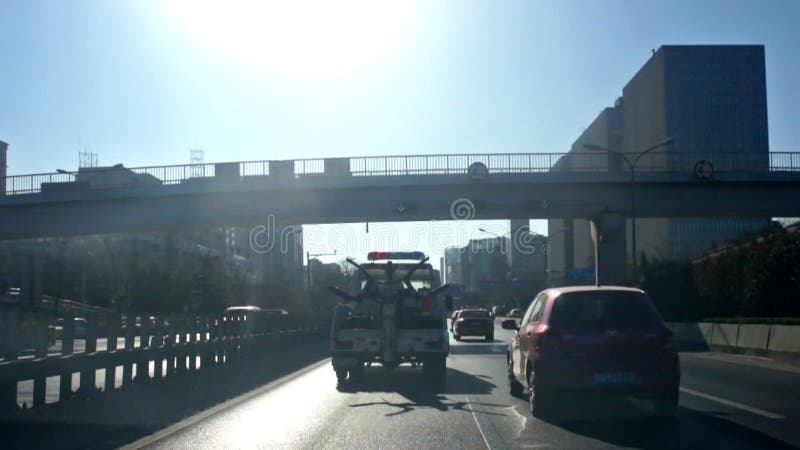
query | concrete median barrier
[753, 337]
[780, 342]
[707, 329]
[785, 338]
[689, 336]
[725, 334]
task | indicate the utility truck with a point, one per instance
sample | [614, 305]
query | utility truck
[398, 315]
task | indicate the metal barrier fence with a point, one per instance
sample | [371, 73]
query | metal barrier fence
[81, 358]
[589, 161]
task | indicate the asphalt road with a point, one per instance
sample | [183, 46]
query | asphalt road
[725, 403]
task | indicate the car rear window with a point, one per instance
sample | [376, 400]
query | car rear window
[474, 313]
[603, 309]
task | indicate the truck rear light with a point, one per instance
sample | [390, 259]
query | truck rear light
[342, 345]
[425, 305]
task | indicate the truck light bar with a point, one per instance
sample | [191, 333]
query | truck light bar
[373, 256]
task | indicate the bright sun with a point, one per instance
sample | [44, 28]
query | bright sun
[297, 38]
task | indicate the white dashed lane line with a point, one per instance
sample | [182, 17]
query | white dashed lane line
[732, 404]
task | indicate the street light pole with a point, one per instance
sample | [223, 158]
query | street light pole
[308, 265]
[632, 170]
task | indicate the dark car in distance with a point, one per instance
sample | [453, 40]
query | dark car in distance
[473, 322]
[587, 340]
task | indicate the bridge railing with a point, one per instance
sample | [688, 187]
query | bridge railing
[103, 353]
[587, 161]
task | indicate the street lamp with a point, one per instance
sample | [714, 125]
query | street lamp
[309, 255]
[484, 230]
[632, 170]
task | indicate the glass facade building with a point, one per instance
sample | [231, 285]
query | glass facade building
[711, 101]
[714, 107]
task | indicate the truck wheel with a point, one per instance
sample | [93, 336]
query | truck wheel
[435, 370]
[341, 376]
[357, 373]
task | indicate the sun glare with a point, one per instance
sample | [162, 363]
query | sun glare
[297, 38]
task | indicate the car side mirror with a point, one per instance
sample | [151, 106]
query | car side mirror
[509, 324]
[448, 301]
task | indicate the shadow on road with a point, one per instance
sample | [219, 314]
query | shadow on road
[487, 348]
[420, 394]
[433, 401]
[690, 429]
[408, 380]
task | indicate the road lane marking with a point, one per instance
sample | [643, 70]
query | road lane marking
[480, 430]
[189, 421]
[732, 404]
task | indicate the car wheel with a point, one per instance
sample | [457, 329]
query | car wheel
[514, 386]
[666, 404]
[539, 399]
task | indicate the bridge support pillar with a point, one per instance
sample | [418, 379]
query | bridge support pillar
[608, 234]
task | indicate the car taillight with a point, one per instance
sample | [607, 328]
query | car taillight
[342, 345]
[667, 339]
[547, 339]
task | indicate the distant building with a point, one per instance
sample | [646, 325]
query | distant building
[282, 262]
[528, 256]
[708, 99]
[487, 264]
[455, 262]
[114, 176]
[572, 248]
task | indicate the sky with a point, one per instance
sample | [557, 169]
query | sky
[143, 82]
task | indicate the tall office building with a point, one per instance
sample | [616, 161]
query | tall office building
[527, 255]
[711, 101]
[572, 257]
[486, 264]
[282, 262]
[455, 261]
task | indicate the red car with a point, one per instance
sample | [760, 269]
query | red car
[586, 339]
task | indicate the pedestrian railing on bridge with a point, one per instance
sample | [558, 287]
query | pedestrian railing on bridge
[83, 359]
[453, 164]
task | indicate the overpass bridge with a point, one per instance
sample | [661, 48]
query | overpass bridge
[588, 185]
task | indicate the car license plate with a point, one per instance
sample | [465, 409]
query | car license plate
[615, 378]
